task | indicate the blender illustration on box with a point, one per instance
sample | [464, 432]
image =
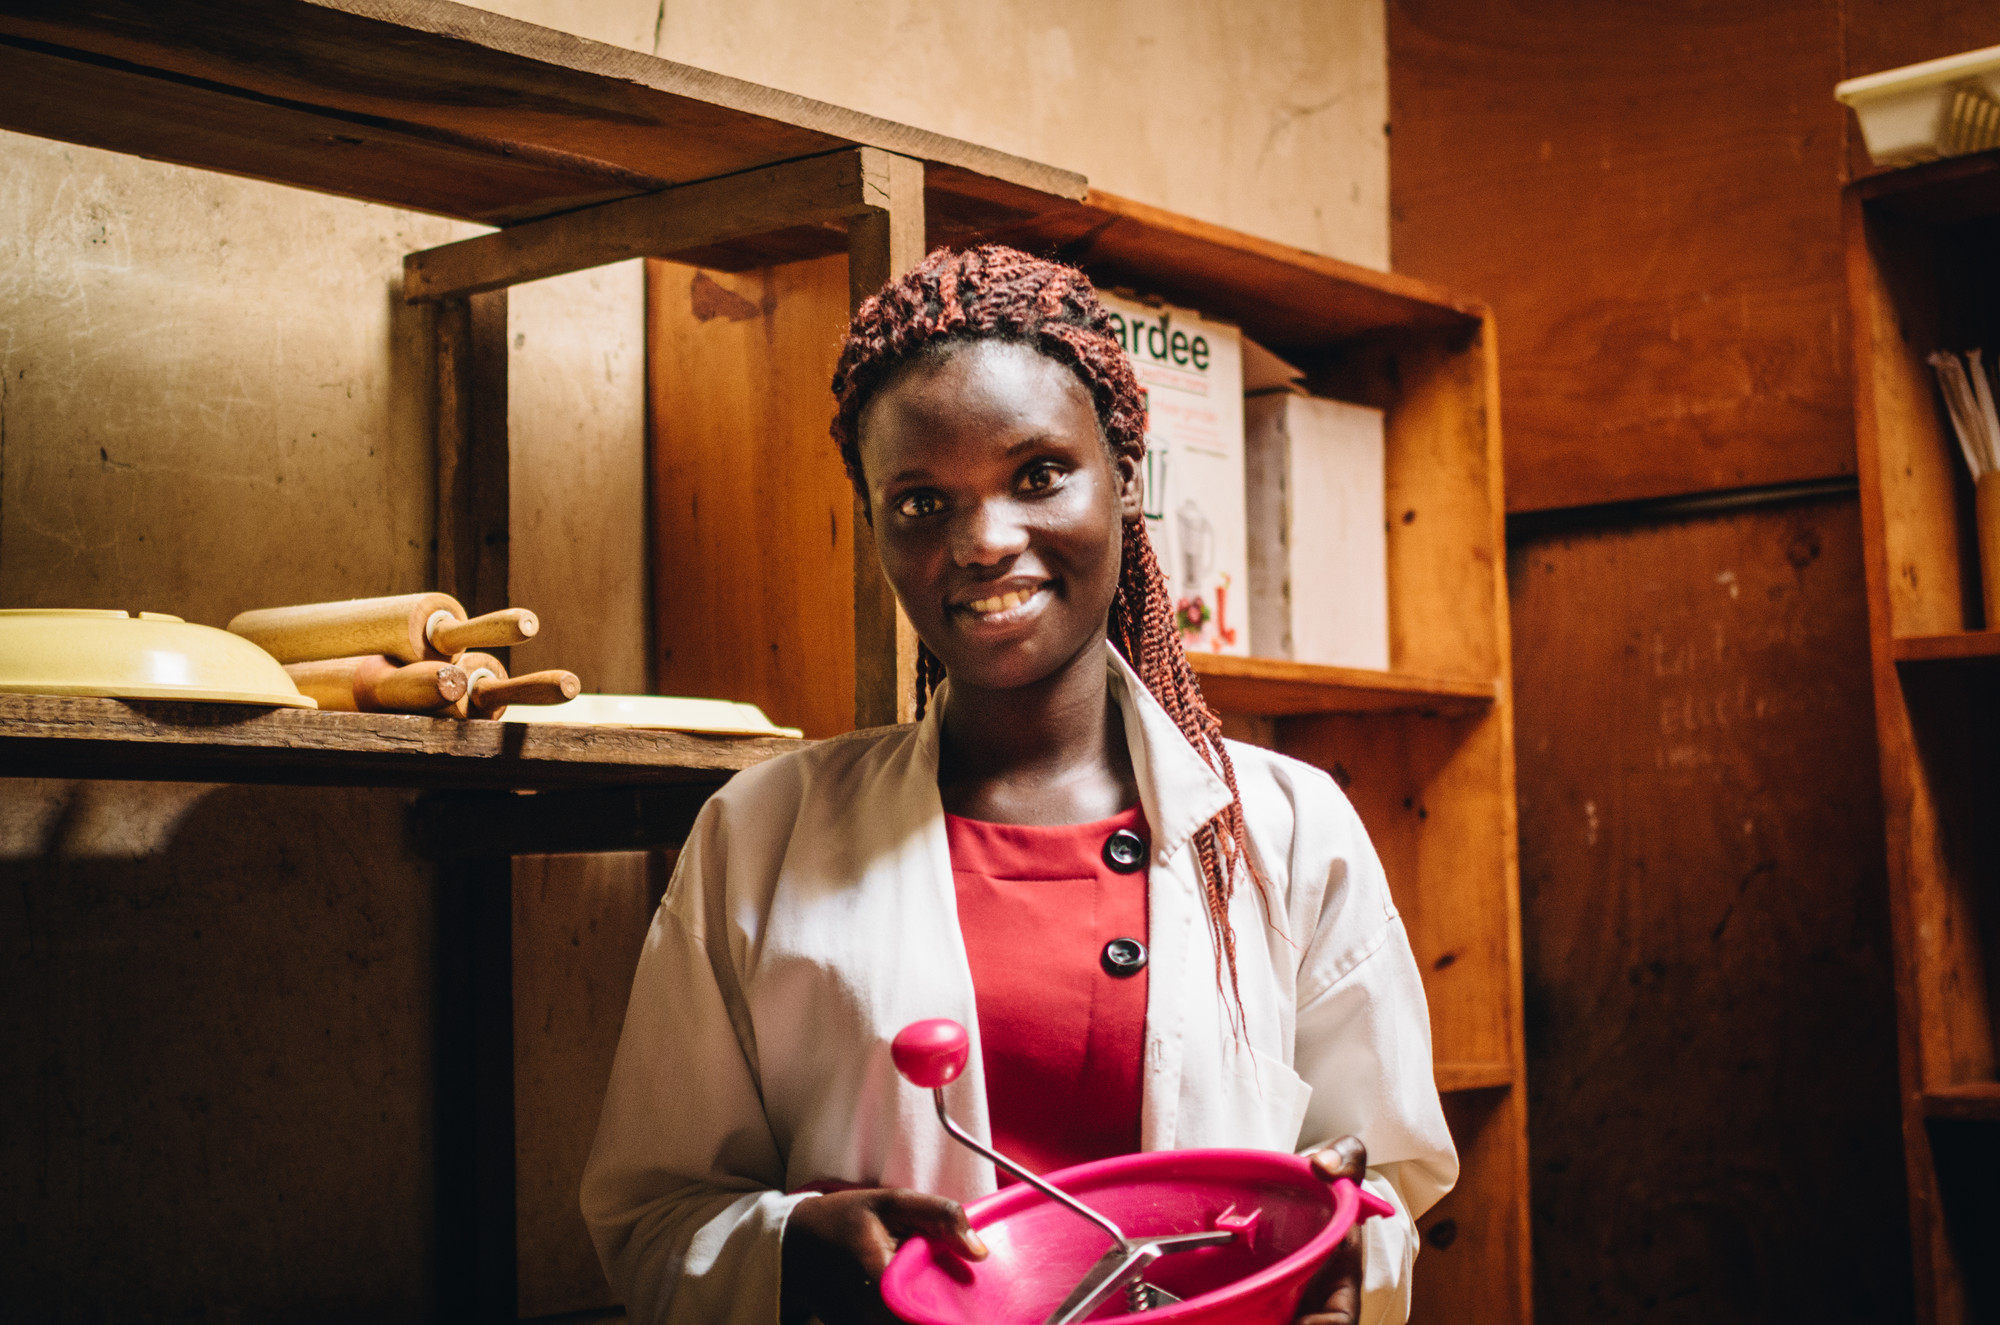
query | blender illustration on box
[1192, 373]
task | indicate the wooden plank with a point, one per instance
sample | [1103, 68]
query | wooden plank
[1978, 1101]
[1698, 915]
[1292, 301]
[1680, 329]
[824, 190]
[57, 736]
[1940, 648]
[473, 460]
[1454, 1077]
[406, 76]
[753, 516]
[1276, 687]
[1475, 1245]
[474, 1236]
[579, 925]
[880, 247]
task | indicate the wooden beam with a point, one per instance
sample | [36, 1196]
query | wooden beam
[824, 190]
[881, 245]
[444, 107]
[472, 450]
[166, 741]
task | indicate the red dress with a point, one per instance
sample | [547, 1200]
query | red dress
[1062, 1026]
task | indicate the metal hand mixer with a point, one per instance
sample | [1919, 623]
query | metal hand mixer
[932, 1054]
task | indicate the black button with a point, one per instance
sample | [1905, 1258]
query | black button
[1125, 851]
[1123, 957]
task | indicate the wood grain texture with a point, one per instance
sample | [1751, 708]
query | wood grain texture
[1646, 196]
[753, 517]
[49, 736]
[449, 109]
[474, 464]
[223, 1033]
[823, 191]
[1710, 1049]
[579, 922]
[1950, 647]
[881, 246]
[1297, 303]
[1916, 273]
[1275, 687]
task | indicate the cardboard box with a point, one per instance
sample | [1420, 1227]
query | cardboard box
[1318, 545]
[1192, 370]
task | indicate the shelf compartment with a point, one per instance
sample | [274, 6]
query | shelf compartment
[1951, 646]
[1277, 687]
[59, 736]
[1458, 1078]
[1977, 1101]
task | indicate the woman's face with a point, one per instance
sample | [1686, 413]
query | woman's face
[998, 510]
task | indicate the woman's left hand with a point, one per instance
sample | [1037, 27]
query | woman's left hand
[1334, 1295]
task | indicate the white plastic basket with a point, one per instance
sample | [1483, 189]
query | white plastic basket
[1925, 111]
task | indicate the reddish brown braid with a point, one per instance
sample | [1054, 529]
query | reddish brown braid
[996, 293]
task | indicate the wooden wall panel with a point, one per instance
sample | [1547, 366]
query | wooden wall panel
[1710, 1018]
[1646, 195]
[579, 922]
[753, 515]
[215, 1009]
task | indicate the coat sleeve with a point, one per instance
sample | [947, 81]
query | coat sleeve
[682, 1192]
[1363, 1043]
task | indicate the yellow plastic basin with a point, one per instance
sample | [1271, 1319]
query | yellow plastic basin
[114, 656]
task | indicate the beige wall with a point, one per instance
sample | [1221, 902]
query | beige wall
[1266, 115]
[211, 398]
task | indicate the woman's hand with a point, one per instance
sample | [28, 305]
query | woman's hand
[1334, 1295]
[837, 1245]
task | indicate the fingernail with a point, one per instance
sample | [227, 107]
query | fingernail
[978, 1247]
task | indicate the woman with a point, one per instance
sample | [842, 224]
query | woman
[1158, 939]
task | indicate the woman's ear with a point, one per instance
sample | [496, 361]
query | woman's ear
[1131, 486]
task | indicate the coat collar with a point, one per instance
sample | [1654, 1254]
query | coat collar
[1177, 788]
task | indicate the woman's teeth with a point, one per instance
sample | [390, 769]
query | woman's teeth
[988, 606]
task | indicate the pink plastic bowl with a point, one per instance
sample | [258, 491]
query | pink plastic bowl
[1039, 1251]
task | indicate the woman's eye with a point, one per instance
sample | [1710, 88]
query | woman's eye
[1041, 477]
[917, 505]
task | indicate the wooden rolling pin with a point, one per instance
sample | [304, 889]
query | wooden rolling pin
[409, 627]
[489, 690]
[375, 684]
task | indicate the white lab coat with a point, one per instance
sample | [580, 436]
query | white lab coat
[813, 915]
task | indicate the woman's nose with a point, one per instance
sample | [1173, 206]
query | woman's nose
[987, 533]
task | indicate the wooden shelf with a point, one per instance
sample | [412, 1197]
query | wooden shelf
[1944, 648]
[1976, 1102]
[448, 109]
[1275, 687]
[51, 736]
[1457, 1078]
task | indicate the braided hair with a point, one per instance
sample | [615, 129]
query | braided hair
[997, 293]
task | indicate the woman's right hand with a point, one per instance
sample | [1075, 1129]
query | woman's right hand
[837, 1245]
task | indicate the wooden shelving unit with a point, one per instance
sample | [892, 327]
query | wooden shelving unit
[766, 216]
[1425, 750]
[1923, 269]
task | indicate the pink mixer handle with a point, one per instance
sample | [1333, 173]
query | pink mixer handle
[1350, 1195]
[932, 1053]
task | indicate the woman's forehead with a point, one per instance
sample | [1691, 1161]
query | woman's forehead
[989, 389]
